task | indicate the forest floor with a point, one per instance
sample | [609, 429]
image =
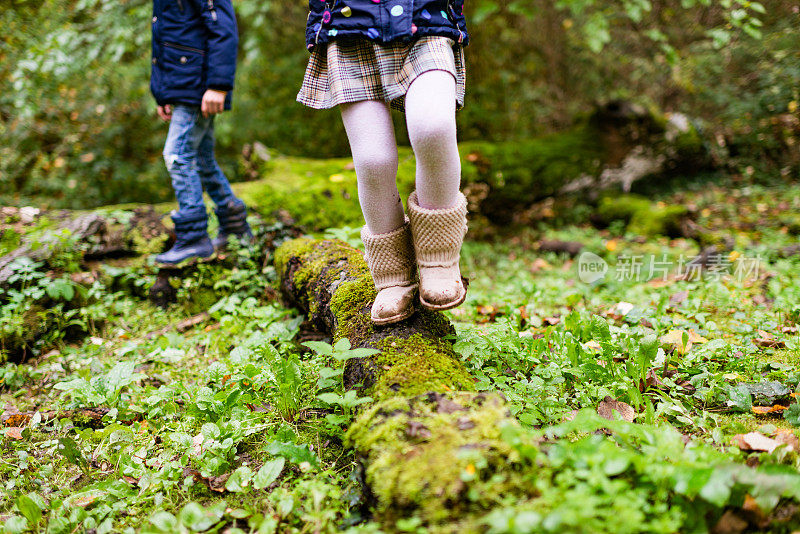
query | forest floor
[205, 416]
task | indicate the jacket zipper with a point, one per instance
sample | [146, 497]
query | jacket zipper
[329, 5]
[451, 10]
[182, 47]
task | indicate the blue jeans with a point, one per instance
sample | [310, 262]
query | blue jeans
[189, 155]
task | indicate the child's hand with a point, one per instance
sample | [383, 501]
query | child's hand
[213, 102]
[165, 112]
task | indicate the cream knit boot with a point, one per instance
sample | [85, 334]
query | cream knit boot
[391, 262]
[438, 236]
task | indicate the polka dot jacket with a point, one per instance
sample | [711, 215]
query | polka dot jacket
[385, 21]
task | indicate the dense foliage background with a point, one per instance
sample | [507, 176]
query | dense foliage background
[78, 128]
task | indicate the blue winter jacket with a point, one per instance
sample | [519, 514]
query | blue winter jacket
[385, 21]
[194, 49]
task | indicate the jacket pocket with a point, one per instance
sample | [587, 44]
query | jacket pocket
[182, 66]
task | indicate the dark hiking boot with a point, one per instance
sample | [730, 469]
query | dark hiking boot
[192, 241]
[232, 222]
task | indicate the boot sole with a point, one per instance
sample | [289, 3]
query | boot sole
[444, 307]
[187, 263]
[395, 319]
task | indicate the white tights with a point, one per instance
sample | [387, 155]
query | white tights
[431, 119]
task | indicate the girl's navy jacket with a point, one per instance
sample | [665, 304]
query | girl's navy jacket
[385, 21]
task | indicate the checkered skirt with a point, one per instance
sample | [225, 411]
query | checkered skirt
[352, 71]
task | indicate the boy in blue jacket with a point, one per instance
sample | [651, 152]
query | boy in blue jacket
[193, 69]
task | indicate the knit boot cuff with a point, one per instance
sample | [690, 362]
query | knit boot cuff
[390, 257]
[438, 234]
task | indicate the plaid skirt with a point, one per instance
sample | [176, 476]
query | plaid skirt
[352, 71]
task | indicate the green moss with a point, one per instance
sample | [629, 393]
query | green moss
[24, 328]
[643, 217]
[146, 245]
[9, 240]
[519, 172]
[317, 194]
[418, 365]
[428, 457]
[347, 305]
[298, 248]
[323, 264]
[409, 366]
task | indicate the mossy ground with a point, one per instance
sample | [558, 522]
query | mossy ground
[642, 216]
[530, 330]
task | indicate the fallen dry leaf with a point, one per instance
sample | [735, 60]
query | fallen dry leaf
[84, 500]
[218, 483]
[788, 438]
[13, 432]
[592, 345]
[767, 340]
[674, 338]
[764, 410]
[756, 442]
[750, 505]
[678, 298]
[609, 405]
[540, 264]
[621, 309]
[552, 321]
[488, 312]
[18, 419]
[652, 381]
[730, 523]
[694, 337]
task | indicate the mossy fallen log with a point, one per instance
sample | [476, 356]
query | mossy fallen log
[49, 237]
[421, 438]
[614, 148]
[330, 282]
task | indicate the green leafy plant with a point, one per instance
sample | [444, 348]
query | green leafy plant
[332, 378]
[103, 389]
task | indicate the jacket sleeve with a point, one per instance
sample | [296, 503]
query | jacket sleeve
[223, 41]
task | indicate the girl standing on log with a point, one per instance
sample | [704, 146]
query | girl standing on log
[368, 56]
